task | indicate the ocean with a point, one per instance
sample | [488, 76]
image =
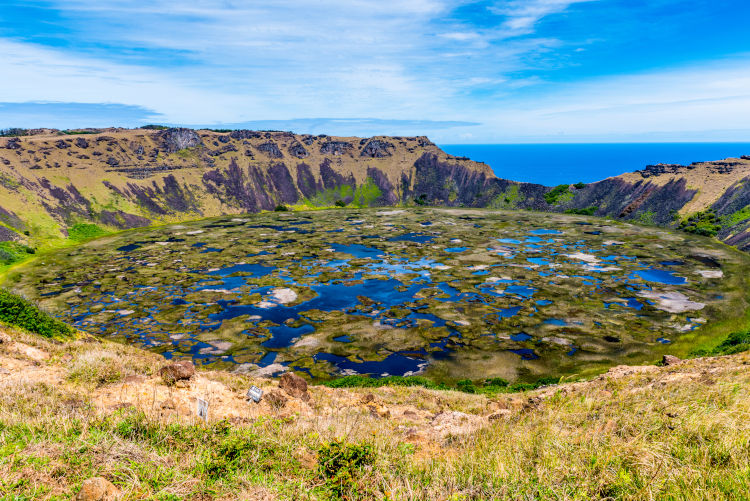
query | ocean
[553, 164]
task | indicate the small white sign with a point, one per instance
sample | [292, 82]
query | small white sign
[202, 409]
[255, 394]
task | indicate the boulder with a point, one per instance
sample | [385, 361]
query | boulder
[177, 371]
[670, 360]
[294, 386]
[98, 489]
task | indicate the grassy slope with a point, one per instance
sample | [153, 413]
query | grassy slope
[75, 410]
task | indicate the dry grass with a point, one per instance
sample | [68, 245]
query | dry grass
[680, 432]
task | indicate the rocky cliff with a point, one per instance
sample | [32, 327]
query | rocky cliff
[51, 181]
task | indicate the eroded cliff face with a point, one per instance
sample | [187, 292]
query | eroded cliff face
[120, 178]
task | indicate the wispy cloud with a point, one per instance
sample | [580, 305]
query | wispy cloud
[521, 68]
[523, 15]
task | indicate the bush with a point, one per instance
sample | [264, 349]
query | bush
[466, 386]
[496, 381]
[705, 223]
[735, 343]
[20, 312]
[12, 252]
[340, 203]
[342, 463]
[281, 208]
[588, 211]
[579, 185]
[13, 132]
[552, 196]
[421, 199]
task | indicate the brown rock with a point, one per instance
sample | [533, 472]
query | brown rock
[367, 398]
[4, 338]
[378, 411]
[670, 360]
[294, 386]
[98, 489]
[171, 373]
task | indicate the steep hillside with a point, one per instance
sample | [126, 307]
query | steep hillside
[55, 184]
[118, 178]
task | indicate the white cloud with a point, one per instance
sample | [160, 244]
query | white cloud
[233, 61]
[522, 15]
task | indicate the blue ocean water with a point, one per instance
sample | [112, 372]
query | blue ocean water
[552, 164]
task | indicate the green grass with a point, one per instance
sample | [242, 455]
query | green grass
[736, 217]
[20, 312]
[14, 252]
[736, 342]
[490, 386]
[81, 232]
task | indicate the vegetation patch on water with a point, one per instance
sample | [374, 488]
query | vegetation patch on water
[447, 294]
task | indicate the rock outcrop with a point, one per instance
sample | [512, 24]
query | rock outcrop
[174, 140]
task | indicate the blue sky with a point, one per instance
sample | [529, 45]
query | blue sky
[459, 71]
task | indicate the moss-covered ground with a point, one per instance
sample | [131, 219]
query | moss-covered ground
[448, 293]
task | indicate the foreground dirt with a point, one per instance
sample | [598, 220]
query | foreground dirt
[638, 412]
[422, 415]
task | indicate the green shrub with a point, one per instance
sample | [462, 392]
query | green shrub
[734, 343]
[80, 232]
[556, 194]
[13, 252]
[13, 132]
[281, 208]
[340, 203]
[496, 381]
[466, 386]
[341, 464]
[489, 386]
[154, 127]
[579, 185]
[705, 223]
[588, 211]
[20, 312]
[359, 381]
